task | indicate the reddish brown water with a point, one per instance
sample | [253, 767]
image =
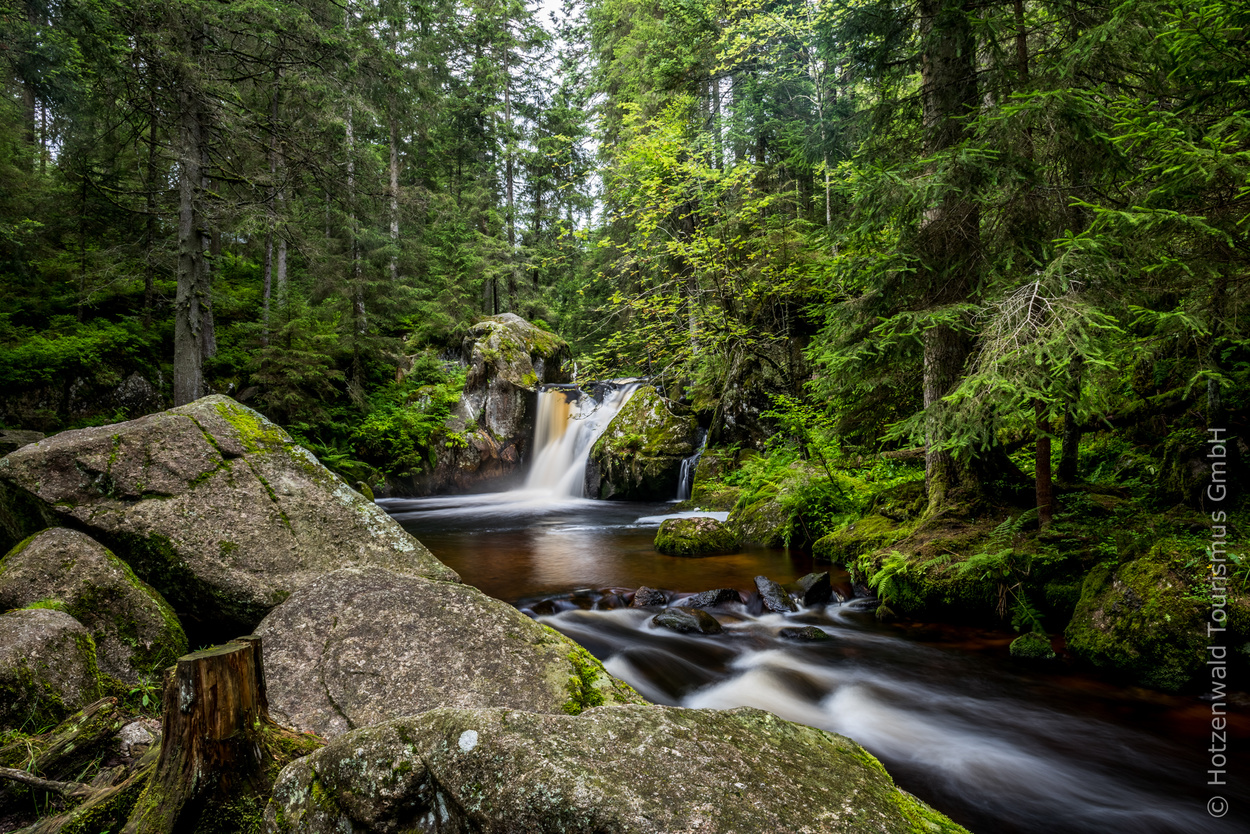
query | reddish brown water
[999, 746]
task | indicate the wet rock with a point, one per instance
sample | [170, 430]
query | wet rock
[765, 523]
[638, 457]
[210, 503]
[627, 769]
[711, 599]
[807, 634]
[359, 646]
[815, 588]
[135, 630]
[609, 602]
[13, 439]
[646, 597]
[1032, 646]
[774, 597]
[47, 667]
[687, 620]
[698, 536]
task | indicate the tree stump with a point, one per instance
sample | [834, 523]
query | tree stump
[220, 752]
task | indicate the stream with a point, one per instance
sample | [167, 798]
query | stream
[998, 745]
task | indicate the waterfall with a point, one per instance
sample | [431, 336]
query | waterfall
[685, 484]
[569, 422]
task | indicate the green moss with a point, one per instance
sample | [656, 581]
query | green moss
[1032, 646]
[583, 694]
[50, 604]
[255, 432]
[699, 536]
[864, 535]
[922, 818]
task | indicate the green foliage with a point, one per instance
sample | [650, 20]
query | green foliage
[1008, 567]
[407, 426]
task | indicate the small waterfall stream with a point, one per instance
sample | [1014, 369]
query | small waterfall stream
[685, 484]
[569, 422]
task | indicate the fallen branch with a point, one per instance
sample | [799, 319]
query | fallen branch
[73, 790]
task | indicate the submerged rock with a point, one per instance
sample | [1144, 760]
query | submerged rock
[627, 769]
[807, 634]
[698, 536]
[135, 630]
[359, 646]
[638, 457]
[47, 667]
[775, 597]
[686, 620]
[210, 503]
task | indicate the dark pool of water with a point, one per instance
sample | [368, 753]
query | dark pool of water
[1000, 746]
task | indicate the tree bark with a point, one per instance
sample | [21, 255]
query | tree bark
[1041, 468]
[190, 301]
[949, 237]
[218, 752]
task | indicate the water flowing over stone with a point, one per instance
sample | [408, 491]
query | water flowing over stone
[569, 422]
[685, 483]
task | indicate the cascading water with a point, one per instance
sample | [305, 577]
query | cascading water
[685, 484]
[569, 422]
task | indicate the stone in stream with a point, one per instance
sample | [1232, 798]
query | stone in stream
[687, 620]
[697, 536]
[711, 599]
[807, 634]
[210, 503]
[775, 597]
[646, 597]
[1032, 646]
[637, 769]
[135, 631]
[363, 645]
[815, 588]
[47, 667]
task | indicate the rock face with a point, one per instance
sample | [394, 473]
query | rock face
[754, 374]
[211, 504]
[686, 620]
[135, 630]
[13, 439]
[775, 597]
[638, 457]
[1140, 620]
[627, 769]
[47, 667]
[508, 359]
[359, 646]
[698, 536]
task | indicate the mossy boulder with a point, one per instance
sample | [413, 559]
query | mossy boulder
[864, 535]
[764, 522]
[1032, 646]
[1142, 620]
[508, 358]
[697, 536]
[359, 646]
[47, 668]
[638, 457]
[134, 629]
[626, 769]
[211, 504]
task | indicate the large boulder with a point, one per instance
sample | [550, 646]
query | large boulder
[508, 359]
[211, 504]
[47, 668]
[359, 646]
[135, 630]
[627, 769]
[697, 536]
[1142, 620]
[638, 457]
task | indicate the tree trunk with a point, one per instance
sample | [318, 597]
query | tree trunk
[218, 743]
[949, 237]
[189, 303]
[1070, 450]
[1041, 468]
[394, 193]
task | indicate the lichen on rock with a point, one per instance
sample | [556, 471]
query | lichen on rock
[47, 668]
[632, 769]
[135, 631]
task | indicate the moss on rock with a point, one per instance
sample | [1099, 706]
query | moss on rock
[864, 535]
[47, 668]
[639, 454]
[697, 536]
[1143, 619]
[1032, 646]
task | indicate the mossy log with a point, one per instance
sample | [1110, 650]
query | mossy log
[220, 751]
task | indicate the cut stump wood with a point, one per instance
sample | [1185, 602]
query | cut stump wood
[220, 751]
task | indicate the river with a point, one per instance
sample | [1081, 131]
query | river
[997, 745]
